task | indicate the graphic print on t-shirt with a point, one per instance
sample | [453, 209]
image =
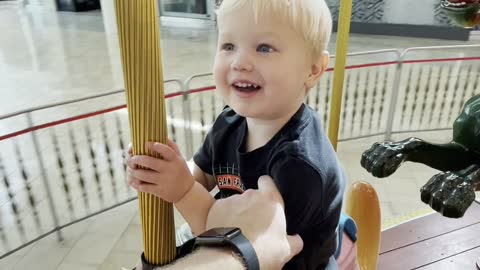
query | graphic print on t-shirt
[228, 178]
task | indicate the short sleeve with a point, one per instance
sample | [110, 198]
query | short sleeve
[203, 157]
[301, 187]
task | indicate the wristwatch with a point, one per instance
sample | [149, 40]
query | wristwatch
[234, 238]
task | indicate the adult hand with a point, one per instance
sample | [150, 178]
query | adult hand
[261, 217]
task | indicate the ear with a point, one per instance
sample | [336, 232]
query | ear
[318, 68]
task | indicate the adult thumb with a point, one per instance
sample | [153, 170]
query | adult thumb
[296, 244]
[266, 185]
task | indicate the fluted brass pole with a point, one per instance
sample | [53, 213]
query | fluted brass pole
[139, 37]
[343, 34]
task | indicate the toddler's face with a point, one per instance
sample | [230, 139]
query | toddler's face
[261, 66]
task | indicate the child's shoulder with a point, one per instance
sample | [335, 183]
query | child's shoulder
[226, 119]
[310, 145]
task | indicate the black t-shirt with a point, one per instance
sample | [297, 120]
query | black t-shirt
[304, 167]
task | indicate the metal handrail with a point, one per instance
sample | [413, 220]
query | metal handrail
[402, 55]
[398, 51]
[398, 74]
[56, 104]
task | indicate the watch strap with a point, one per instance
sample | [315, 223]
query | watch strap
[243, 246]
[183, 250]
[146, 265]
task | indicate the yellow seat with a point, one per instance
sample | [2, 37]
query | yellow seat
[363, 207]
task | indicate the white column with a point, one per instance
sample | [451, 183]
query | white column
[108, 13]
[111, 35]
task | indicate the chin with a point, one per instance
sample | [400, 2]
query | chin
[243, 111]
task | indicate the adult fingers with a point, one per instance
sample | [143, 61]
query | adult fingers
[267, 186]
[296, 244]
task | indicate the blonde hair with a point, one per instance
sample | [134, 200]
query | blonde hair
[310, 18]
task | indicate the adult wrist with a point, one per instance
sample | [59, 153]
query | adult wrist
[234, 239]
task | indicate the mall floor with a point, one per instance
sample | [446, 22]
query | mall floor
[48, 56]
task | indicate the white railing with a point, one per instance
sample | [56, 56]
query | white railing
[56, 171]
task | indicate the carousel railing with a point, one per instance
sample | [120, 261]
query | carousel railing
[57, 171]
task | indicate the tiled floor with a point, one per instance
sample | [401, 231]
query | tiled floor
[47, 57]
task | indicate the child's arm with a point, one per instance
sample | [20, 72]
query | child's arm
[170, 179]
[194, 207]
[203, 178]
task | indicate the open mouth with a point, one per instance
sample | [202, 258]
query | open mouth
[246, 87]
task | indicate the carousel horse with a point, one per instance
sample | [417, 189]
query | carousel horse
[465, 13]
[452, 191]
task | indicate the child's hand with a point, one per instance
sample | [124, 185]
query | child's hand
[168, 178]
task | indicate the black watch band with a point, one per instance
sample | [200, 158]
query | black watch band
[242, 246]
[233, 238]
[215, 238]
[145, 264]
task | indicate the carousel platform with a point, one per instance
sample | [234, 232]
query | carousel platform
[433, 242]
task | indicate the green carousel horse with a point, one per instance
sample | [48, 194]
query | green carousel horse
[452, 191]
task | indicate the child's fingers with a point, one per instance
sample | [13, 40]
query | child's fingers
[165, 151]
[146, 176]
[174, 146]
[130, 176]
[131, 180]
[131, 163]
[142, 186]
[129, 149]
[149, 162]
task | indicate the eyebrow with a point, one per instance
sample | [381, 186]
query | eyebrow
[261, 34]
[270, 34]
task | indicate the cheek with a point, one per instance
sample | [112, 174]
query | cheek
[286, 80]
[219, 71]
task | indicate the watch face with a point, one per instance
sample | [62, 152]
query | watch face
[220, 233]
[217, 236]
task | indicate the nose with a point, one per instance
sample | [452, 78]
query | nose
[242, 62]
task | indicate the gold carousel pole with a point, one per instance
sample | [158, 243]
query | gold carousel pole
[139, 38]
[362, 202]
[343, 32]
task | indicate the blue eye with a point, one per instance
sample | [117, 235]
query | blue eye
[228, 47]
[264, 48]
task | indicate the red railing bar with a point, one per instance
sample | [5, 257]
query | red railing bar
[208, 88]
[59, 122]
